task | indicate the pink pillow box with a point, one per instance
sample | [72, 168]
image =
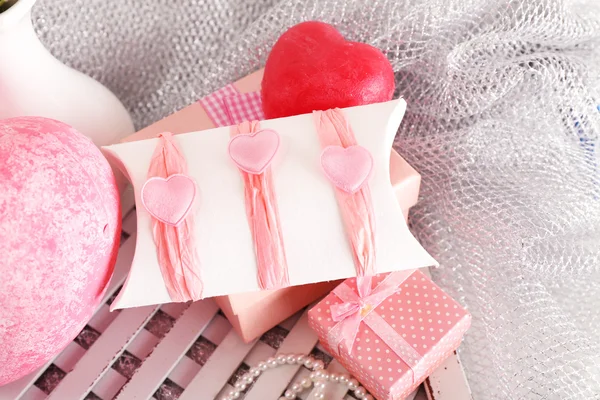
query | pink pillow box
[246, 311]
[394, 337]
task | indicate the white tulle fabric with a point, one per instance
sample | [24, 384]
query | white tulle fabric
[502, 122]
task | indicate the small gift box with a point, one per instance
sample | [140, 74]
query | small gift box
[246, 311]
[394, 335]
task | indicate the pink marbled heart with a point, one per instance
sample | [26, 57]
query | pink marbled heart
[169, 200]
[254, 152]
[347, 168]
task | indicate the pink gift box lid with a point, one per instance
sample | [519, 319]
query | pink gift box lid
[405, 179]
[429, 320]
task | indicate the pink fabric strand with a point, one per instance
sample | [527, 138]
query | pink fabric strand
[263, 219]
[175, 245]
[356, 209]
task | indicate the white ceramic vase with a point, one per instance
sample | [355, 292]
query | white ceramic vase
[33, 82]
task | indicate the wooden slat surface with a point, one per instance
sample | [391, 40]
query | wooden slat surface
[448, 382]
[215, 373]
[301, 339]
[169, 351]
[161, 354]
[111, 344]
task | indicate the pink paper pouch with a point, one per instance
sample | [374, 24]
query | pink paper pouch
[418, 326]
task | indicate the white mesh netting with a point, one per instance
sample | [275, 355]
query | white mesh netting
[503, 123]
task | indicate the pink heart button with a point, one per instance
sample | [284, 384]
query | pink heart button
[169, 200]
[254, 152]
[347, 168]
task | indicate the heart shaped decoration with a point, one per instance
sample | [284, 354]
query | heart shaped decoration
[349, 169]
[312, 67]
[169, 200]
[254, 152]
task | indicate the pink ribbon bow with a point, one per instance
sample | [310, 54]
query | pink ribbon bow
[356, 308]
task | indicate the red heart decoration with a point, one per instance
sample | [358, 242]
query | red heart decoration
[312, 67]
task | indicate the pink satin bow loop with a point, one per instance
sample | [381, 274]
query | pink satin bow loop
[355, 309]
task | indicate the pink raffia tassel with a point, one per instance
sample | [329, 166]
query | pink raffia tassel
[175, 245]
[263, 219]
[356, 208]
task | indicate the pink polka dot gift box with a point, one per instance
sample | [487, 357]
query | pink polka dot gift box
[394, 334]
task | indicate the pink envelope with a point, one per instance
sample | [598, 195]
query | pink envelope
[247, 311]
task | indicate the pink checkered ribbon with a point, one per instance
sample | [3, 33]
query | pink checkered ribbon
[244, 107]
[214, 107]
[227, 106]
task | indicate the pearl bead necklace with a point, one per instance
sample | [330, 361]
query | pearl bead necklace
[319, 377]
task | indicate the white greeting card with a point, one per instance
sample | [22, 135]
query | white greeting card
[315, 241]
